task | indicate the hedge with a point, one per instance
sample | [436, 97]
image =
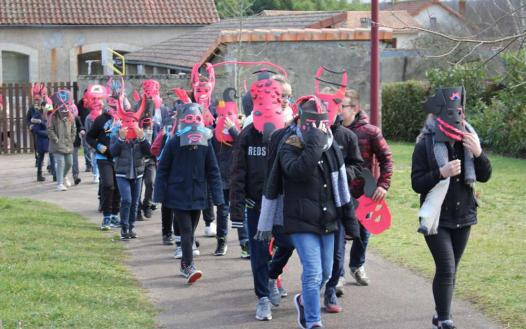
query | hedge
[402, 112]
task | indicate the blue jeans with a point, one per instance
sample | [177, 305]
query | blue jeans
[222, 221]
[259, 255]
[316, 254]
[62, 166]
[130, 190]
[94, 167]
[358, 249]
[339, 255]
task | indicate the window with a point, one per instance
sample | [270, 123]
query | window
[15, 67]
[433, 22]
[90, 63]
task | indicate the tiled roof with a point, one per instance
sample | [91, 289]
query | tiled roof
[107, 12]
[414, 7]
[186, 49]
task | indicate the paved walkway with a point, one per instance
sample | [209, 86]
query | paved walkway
[224, 297]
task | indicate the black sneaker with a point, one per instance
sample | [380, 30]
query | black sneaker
[245, 251]
[301, 312]
[132, 234]
[41, 178]
[168, 239]
[124, 234]
[147, 212]
[222, 247]
[435, 321]
[153, 207]
[139, 217]
[77, 180]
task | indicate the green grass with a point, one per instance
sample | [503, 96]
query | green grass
[492, 272]
[58, 271]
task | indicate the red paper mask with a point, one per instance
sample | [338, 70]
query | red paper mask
[268, 114]
[152, 89]
[309, 115]
[93, 100]
[374, 216]
[39, 93]
[227, 108]
[128, 119]
[332, 101]
[202, 87]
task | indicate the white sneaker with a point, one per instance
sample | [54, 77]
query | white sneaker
[67, 182]
[95, 180]
[195, 250]
[61, 187]
[360, 276]
[211, 231]
[178, 252]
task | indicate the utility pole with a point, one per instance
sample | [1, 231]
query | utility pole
[375, 65]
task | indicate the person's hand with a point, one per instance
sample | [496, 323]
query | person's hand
[316, 135]
[452, 168]
[122, 133]
[102, 148]
[82, 133]
[140, 133]
[379, 194]
[228, 123]
[471, 142]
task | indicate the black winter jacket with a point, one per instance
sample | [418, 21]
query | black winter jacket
[248, 171]
[459, 208]
[348, 144]
[224, 153]
[80, 127]
[309, 205]
[129, 156]
[100, 133]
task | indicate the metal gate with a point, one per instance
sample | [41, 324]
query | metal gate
[15, 100]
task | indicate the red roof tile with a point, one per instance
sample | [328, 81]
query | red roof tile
[107, 12]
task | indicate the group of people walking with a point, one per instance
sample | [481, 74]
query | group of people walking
[286, 172]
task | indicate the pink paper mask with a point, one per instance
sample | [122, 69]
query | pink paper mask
[268, 114]
[374, 216]
[93, 100]
[227, 108]
[332, 101]
[152, 89]
[202, 88]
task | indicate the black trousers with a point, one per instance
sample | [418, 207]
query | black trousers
[208, 213]
[187, 221]
[110, 197]
[148, 180]
[169, 223]
[447, 248]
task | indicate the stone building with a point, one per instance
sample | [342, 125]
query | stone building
[57, 40]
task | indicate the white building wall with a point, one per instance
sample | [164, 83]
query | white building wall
[446, 22]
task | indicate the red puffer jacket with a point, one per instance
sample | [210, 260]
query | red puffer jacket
[372, 144]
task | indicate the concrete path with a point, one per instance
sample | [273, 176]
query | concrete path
[224, 298]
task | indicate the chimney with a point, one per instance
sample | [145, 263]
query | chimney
[462, 7]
